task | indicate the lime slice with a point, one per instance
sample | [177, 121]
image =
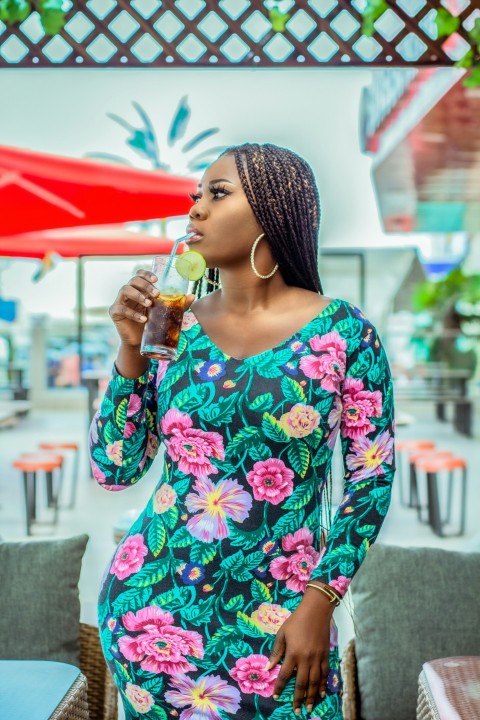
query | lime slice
[190, 265]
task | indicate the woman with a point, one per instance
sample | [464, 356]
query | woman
[219, 601]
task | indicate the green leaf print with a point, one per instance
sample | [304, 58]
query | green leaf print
[301, 496]
[122, 671]
[248, 627]
[202, 553]
[199, 614]
[288, 523]
[262, 403]
[154, 685]
[121, 413]
[292, 391]
[111, 433]
[299, 456]
[347, 568]
[170, 517]
[361, 367]
[240, 649]
[164, 402]
[315, 438]
[222, 412]
[322, 455]
[273, 430]
[343, 552]
[366, 530]
[282, 356]
[181, 486]
[182, 344]
[174, 373]
[232, 561]
[247, 539]
[132, 599]
[150, 574]
[172, 599]
[256, 361]
[292, 603]
[222, 639]
[253, 560]
[191, 398]
[283, 712]
[324, 406]
[156, 536]
[260, 452]
[201, 343]
[382, 499]
[157, 713]
[260, 592]
[269, 371]
[150, 420]
[181, 538]
[235, 603]
[362, 550]
[225, 467]
[245, 438]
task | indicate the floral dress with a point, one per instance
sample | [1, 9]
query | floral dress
[235, 528]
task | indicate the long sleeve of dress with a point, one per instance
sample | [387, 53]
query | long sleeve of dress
[366, 430]
[123, 435]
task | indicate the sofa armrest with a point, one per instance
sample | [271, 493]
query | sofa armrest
[102, 692]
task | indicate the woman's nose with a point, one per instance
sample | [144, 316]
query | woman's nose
[197, 211]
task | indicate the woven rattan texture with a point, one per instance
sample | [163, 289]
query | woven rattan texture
[426, 709]
[351, 696]
[74, 705]
[102, 693]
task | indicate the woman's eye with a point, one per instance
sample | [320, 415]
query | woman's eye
[194, 197]
[218, 191]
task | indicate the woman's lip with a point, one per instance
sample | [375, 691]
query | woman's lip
[194, 238]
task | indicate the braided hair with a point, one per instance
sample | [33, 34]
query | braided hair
[281, 190]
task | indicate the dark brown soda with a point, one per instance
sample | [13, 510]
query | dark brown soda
[162, 329]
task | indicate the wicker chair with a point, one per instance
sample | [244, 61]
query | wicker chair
[102, 692]
[351, 693]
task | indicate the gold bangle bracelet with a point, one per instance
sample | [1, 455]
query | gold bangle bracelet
[332, 596]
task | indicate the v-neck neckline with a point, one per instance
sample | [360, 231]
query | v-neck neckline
[289, 339]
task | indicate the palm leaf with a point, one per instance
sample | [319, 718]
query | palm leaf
[179, 122]
[108, 157]
[191, 144]
[151, 131]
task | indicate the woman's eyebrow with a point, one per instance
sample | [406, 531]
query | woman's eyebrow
[217, 180]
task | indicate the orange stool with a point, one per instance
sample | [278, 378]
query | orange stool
[407, 446]
[433, 467]
[415, 489]
[75, 448]
[30, 464]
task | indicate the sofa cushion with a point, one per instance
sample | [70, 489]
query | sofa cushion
[39, 599]
[411, 605]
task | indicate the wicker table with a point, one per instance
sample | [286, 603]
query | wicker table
[42, 690]
[449, 689]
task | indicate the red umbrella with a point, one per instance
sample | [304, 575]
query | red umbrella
[79, 242]
[40, 191]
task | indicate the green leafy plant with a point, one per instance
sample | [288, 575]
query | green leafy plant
[447, 25]
[144, 141]
[52, 17]
[440, 296]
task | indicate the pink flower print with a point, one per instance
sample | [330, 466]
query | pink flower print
[302, 420]
[98, 474]
[134, 405]
[129, 557]
[335, 414]
[191, 447]
[152, 445]
[174, 420]
[141, 700]
[329, 367]
[359, 405]
[129, 429]
[340, 584]
[366, 456]
[226, 499]
[296, 569]
[161, 371]
[189, 320]
[270, 617]
[164, 498]
[114, 452]
[161, 647]
[271, 480]
[251, 676]
[205, 696]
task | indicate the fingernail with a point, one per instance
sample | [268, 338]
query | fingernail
[268, 665]
[275, 697]
[309, 708]
[297, 711]
[322, 695]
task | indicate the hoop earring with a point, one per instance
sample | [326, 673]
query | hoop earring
[211, 282]
[252, 260]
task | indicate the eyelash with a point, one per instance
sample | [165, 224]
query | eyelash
[214, 190]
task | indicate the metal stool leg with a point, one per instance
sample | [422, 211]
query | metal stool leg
[76, 467]
[29, 482]
[449, 497]
[463, 501]
[433, 504]
[49, 486]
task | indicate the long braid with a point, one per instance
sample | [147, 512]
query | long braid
[281, 190]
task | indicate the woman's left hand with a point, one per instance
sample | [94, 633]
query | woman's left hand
[304, 640]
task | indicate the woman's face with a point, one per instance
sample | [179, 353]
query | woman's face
[223, 217]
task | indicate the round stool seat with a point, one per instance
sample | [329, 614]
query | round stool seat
[59, 446]
[429, 454]
[434, 465]
[30, 462]
[412, 445]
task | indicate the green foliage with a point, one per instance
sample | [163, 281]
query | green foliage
[52, 17]
[441, 295]
[373, 10]
[447, 23]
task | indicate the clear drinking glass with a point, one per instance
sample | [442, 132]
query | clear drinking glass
[162, 329]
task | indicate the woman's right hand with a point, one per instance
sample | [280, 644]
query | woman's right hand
[129, 310]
